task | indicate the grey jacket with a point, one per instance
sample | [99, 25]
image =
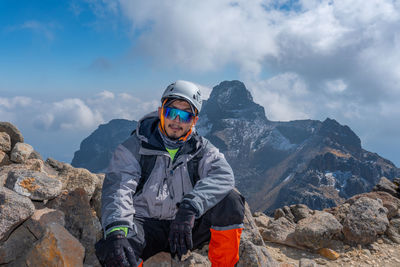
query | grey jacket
[169, 182]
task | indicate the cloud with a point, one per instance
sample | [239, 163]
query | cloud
[73, 114]
[37, 27]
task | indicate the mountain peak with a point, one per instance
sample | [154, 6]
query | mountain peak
[231, 99]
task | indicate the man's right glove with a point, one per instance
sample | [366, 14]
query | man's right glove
[115, 251]
[180, 233]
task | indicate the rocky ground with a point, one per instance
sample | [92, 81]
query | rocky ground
[49, 216]
[383, 253]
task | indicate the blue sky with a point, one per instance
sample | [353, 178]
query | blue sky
[67, 66]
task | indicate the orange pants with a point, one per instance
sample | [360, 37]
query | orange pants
[224, 247]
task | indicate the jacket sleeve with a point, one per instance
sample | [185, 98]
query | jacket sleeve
[122, 177]
[216, 180]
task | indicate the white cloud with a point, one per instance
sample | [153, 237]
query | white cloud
[73, 114]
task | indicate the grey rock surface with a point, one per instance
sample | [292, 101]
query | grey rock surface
[17, 245]
[41, 218]
[4, 159]
[80, 221]
[14, 210]
[388, 186]
[367, 218]
[388, 201]
[280, 231]
[316, 231]
[12, 131]
[21, 152]
[393, 231]
[32, 184]
[5, 142]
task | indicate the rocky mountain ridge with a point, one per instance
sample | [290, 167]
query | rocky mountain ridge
[319, 164]
[49, 216]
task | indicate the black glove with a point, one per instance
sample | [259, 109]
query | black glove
[115, 251]
[180, 234]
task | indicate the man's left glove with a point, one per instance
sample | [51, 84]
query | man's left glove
[115, 251]
[180, 234]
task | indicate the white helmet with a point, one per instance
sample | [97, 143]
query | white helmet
[184, 90]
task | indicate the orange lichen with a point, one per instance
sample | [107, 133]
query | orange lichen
[27, 183]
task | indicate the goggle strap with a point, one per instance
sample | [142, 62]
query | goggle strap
[161, 125]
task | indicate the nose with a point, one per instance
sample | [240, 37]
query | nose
[177, 119]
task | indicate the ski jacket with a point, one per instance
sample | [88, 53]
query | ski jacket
[168, 182]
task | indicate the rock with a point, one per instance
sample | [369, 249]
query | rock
[316, 231]
[18, 244]
[365, 221]
[300, 211]
[73, 178]
[80, 220]
[280, 231]
[389, 201]
[5, 142]
[161, 259]
[95, 201]
[57, 165]
[35, 155]
[21, 152]
[329, 253]
[262, 221]
[14, 209]
[43, 217]
[284, 212]
[4, 159]
[340, 212]
[57, 248]
[250, 230]
[35, 185]
[393, 231]
[307, 263]
[251, 255]
[386, 185]
[12, 131]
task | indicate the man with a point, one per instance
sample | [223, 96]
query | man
[169, 189]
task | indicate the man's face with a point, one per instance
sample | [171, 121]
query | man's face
[174, 128]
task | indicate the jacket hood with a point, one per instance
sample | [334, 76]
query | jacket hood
[147, 131]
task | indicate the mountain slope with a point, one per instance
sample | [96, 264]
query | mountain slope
[280, 163]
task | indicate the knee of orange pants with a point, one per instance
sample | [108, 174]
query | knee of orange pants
[224, 247]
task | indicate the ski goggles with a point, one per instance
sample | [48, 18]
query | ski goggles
[184, 116]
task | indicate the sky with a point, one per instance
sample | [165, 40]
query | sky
[68, 66]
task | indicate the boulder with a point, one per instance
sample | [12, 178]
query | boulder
[340, 212]
[393, 231]
[250, 230]
[17, 245]
[14, 210]
[315, 232]
[261, 220]
[56, 248]
[43, 217]
[367, 218]
[300, 211]
[280, 231]
[4, 159]
[388, 200]
[73, 178]
[21, 152]
[80, 221]
[12, 131]
[32, 184]
[5, 142]
[251, 255]
[95, 201]
[386, 185]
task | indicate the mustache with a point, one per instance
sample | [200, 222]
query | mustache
[175, 126]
